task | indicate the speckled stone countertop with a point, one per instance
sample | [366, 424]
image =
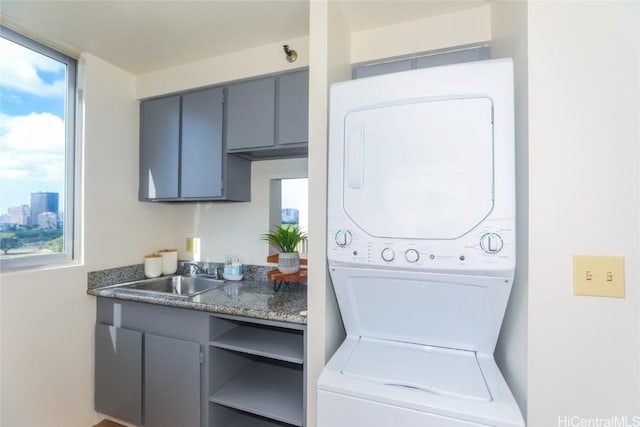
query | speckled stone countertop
[249, 298]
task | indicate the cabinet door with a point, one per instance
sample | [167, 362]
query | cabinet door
[118, 373]
[159, 146]
[171, 382]
[201, 164]
[293, 108]
[251, 114]
[377, 69]
[446, 58]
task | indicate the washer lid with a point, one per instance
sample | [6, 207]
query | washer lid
[434, 370]
[428, 162]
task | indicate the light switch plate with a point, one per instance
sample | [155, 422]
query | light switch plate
[601, 276]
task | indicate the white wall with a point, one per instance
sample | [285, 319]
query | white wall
[231, 228]
[47, 318]
[509, 39]
[423, 35]
[119, 230]
[329, 62]
[243, 64]
[584, 133]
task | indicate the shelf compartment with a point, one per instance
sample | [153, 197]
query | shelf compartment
[274, 343]
[229, 417]
[269, 390]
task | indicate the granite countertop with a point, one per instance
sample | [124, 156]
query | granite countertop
[252, 298]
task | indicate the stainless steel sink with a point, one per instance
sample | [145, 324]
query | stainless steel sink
[185, 286]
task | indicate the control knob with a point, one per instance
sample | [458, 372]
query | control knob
[343, 238]
[387, 254]
[491, 243]
[411, 255]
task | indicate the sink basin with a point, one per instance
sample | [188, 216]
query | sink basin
[185, 286]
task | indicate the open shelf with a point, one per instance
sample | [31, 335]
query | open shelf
[243, 419]
[264, 389]
[275, 343]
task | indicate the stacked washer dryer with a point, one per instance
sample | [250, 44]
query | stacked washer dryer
[421, 247]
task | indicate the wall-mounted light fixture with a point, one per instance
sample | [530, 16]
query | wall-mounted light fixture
[291, 54]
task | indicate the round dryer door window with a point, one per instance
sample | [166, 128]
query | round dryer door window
[420, 170]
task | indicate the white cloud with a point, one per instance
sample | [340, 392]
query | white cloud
[32, 147]
[19, 68]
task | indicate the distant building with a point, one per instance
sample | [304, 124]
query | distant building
[19, 215]
[290, 216]
[43, 202]
[47, 220]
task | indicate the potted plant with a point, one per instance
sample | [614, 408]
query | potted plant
[286, 239]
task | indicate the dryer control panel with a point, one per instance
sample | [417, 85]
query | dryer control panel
[489, 247]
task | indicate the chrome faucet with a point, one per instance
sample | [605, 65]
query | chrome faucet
[192, 266]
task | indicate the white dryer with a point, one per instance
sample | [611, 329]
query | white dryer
[421, 247]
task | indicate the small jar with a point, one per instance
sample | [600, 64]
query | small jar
[169, 260]
[152, 266]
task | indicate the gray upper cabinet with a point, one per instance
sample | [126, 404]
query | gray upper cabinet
[475, 53]
[455, 57]
[250, 113]
[182, 156]
[268, 118]
[201, 160]
[293, 108]
[382, 68]
[159, 148]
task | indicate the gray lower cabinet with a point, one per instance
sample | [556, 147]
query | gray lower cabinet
[182, 157]
[257, 373]
[158, 366]
[171, 382]
[118, 373]
[151, 369]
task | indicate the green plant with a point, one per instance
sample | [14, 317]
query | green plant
[286, 238]
[8, 243]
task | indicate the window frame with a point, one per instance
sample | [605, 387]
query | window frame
[70, 246]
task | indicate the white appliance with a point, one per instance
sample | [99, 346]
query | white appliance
[421, 247]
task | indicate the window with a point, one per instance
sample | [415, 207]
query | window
[294, 202]
[289, 201]
[37, 123]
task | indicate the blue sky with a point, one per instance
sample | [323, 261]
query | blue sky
[32, 140]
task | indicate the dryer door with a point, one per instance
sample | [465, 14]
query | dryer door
[421, 169]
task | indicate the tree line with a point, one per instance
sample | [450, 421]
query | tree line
[29, 236]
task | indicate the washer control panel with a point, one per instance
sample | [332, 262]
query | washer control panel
[488, 247]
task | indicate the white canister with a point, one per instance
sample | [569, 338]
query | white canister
[169, 260]
[152, 265]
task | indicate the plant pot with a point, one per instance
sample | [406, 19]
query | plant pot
[289, 262]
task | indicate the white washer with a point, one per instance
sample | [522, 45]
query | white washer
[421, 247]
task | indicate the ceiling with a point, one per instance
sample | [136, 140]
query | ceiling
[147, 35]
